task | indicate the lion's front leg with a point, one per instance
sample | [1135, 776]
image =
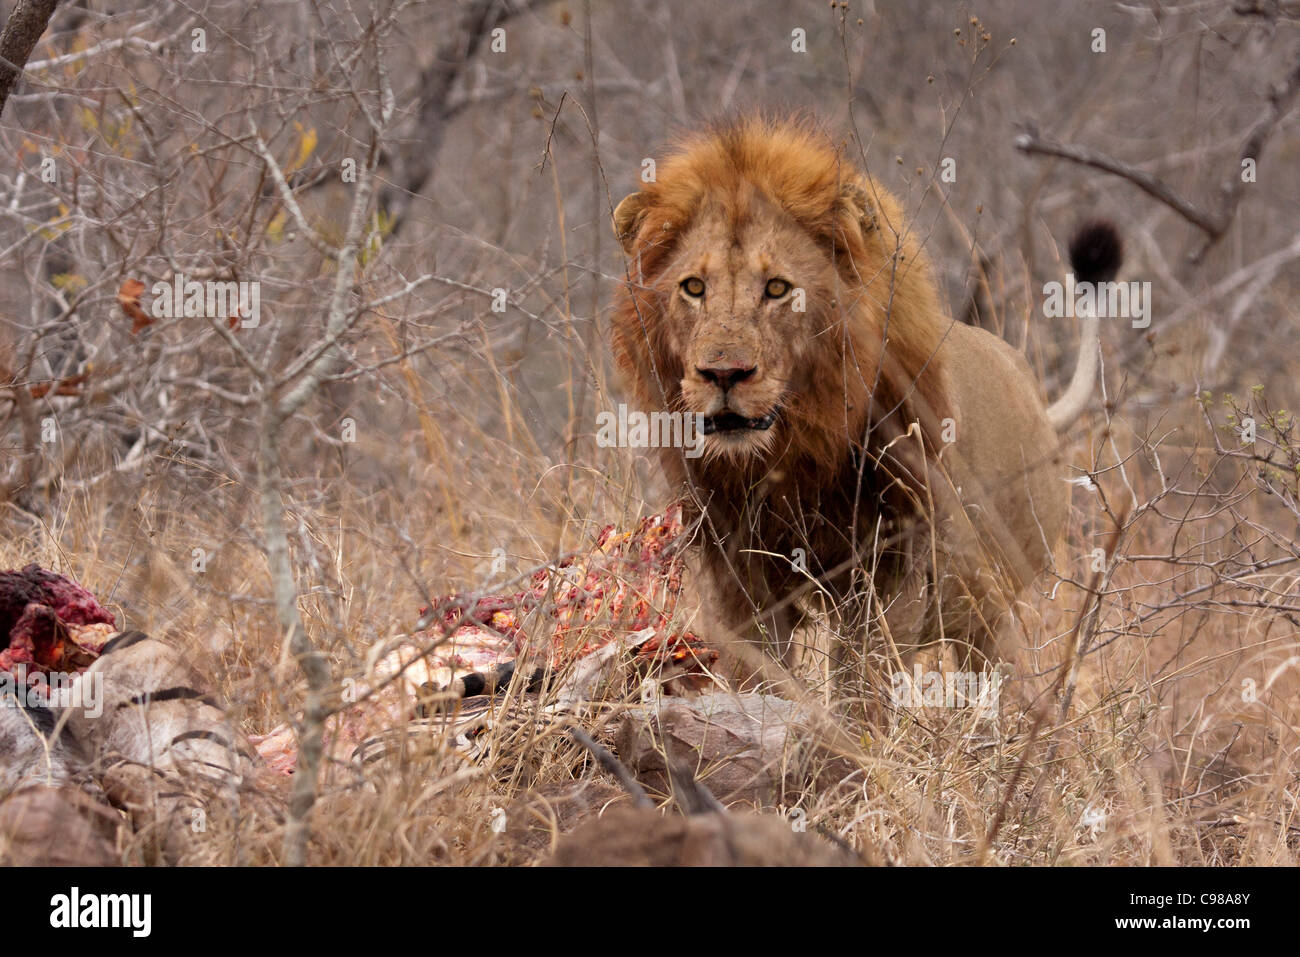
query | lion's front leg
[757, 622]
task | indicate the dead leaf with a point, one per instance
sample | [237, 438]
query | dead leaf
[128, 297]
[67, 386]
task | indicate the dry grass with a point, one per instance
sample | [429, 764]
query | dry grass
[1161, 756]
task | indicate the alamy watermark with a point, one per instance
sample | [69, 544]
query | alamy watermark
[947, 689]
[52, 689]
[75, 909]
[212, 299]
[1105, 300]
[629, 429]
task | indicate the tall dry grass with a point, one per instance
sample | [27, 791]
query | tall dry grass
[1178, 744]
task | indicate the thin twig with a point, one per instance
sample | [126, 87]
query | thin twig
[615, 767]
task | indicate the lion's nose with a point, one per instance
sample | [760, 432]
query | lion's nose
[724, 376]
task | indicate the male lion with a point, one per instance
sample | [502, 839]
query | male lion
[857, 441]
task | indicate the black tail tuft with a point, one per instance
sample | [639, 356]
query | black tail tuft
[1096, 251]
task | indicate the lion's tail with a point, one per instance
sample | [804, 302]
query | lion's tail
[1096, 252]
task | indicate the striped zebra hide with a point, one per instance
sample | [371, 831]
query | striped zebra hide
[563, 631]
[108, 728]
[107, 741]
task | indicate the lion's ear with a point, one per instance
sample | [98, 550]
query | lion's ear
[627, 220]
[856, 207]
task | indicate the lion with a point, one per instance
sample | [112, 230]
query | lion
[858, 443]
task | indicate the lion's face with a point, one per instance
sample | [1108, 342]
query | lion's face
[774, 290]
[741, 302]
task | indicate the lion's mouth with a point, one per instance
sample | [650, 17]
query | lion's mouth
[733, 422]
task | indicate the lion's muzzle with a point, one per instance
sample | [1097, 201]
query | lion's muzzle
[727, 375]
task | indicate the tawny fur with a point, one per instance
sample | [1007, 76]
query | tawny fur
[910, 452]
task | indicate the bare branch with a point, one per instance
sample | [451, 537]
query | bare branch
[479, 19]
[286, 194]
[614, 766]
[1214, 225]
[1031, 142]
[23, 28]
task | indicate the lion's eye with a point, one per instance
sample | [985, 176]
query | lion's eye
[693, 287]
[776, 288]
